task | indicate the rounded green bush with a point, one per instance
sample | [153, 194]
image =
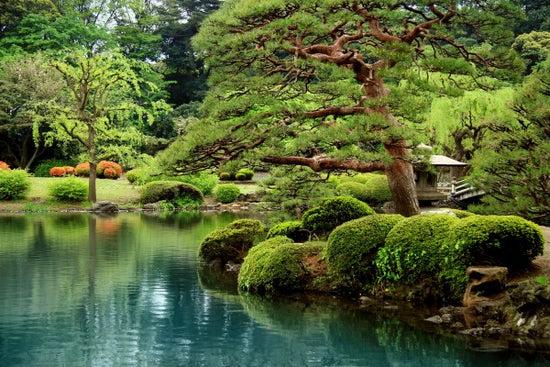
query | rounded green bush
[227, 193]
[240, 176]
[232, 242]
[378, 190]
[276, 266]
[245, 173]
[508, 241]
[169, 190]
[462, 213]
[69, 189]
[291, 229]
[333, 212]
[412, 248]
[352, 248]
[354, 189]
[136, 176]
[225, 176]
[14, 184]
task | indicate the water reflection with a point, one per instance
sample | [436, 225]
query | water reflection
[81, 290]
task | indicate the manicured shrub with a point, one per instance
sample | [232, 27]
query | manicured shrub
[169, 191]
[43, 168]
[354, 189]
[412, 248]
[291, 229]
[227, 193]
[225, 176]
[4, 166]
[244, 174]
[137, 176]
[57, 171]
[14, 184]
[277, 266]
[333, 212]
[69, 170]
[82, 169]
[108, 169]
[508, 241]
[352, 248]
[378, 190]
[462, 213]
[232, 242]
[206, 182]
[70, 188]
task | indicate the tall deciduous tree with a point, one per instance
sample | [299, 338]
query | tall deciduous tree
[101, 89]
[331, 84]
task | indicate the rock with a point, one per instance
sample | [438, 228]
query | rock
[151, 206]
[486, 284]
[105, 207]
[435, 319]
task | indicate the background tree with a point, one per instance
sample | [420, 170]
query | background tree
[332, 84]
[513, 166]
[13, 11]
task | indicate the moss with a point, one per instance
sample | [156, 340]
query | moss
[232, 242]
[291, 229]
[277, 266]
[352, 248]
[412, 248]
[322, 219]
[169, 190]
[462, 213]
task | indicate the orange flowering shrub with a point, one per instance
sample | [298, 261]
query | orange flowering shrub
[109, 169]
[57, 171]
[4, 166]
[82, 169]
[69, 170]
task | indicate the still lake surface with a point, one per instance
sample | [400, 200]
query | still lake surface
[76, 290]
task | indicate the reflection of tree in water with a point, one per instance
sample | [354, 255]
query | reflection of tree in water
[215, 279]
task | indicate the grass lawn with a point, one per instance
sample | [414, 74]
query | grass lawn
[38, 198]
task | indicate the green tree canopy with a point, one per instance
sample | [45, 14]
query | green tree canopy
[332, 84]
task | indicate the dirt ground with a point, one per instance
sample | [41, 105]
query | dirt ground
[540, 266]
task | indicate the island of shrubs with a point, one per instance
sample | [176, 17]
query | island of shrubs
[364, 253]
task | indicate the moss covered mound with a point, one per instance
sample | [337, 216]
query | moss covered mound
[322, 219]
[277, 266]
[232, 242]
[169, 190]
[412, 249]
[292, 229]
[352, 248]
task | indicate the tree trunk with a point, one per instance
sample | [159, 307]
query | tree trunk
[93, 165]
[401, 179]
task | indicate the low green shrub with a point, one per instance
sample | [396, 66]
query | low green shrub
[412, 248]
[70, 188]
[352, 248]
[244, 174]
[277, 266]
[333, 212]
[232, 242]
[508, 241]
[378, 190]
[43, 168]
[227, 193]
[354, 189]
[14, 184]
[225, 176]
[291, 229]
[462, 213]
[169, 191]
[206, 182]
[137, 176]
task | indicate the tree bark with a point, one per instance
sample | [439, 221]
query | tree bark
[93, 165]
[400, 175]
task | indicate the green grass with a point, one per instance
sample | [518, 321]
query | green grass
[38, 198]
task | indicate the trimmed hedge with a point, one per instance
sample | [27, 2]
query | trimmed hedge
[322, 219]
[82, 169]
[232, 242]
[169, 191]
[291, 229]
[136, 175]
[57, 171]
[508, 241]
[276, 266]
[108, 169]
[354, 189]
[352, 248]
[69, 189]
[42, 169]
[227, 193]
[412, 249]
[14, 184]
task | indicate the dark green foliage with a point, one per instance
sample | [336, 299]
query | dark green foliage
[352, 248]
[69, 189]
[227, 193]
[169, 190]
[508, 241]
[411, 252]
[14, 184]
[232, 242]
[333, 212]
[291, 229]
[276, 266]
[43, 168]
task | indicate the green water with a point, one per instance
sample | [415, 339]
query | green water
[76, 290]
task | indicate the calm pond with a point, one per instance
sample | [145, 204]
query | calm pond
[76, 290]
